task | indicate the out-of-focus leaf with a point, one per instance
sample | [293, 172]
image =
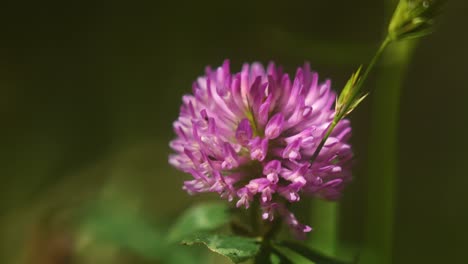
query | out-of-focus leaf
[267, 255]
[277, 258]
[184, 255]
[126, 230]
[295, 252]
[291, 255]
[203, 217]
[236, 248]
[122, 227]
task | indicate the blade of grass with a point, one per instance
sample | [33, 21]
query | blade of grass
[382, 161]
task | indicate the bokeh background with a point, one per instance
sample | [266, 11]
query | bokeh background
[89, 91]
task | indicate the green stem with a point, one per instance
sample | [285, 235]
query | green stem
[254, 218]
[324, 139]
[263, 257]
[337, 118]
[374, 60]
[325, 214]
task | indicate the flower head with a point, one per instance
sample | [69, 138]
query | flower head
[250, 136]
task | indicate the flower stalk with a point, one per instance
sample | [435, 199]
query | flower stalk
[350, 96]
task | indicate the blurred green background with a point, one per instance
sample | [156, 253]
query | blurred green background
[89, 91]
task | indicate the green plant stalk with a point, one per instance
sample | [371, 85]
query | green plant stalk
[382, 161]
[325, 214]
[361, 81]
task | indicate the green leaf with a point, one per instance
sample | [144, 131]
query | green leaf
[236, 248]
[347, 100]
[349, 89]
[355, 103]
[203, 217]
[268, 255]
[296, 252]
[277, 258]
[291, 255]
[115, 225]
